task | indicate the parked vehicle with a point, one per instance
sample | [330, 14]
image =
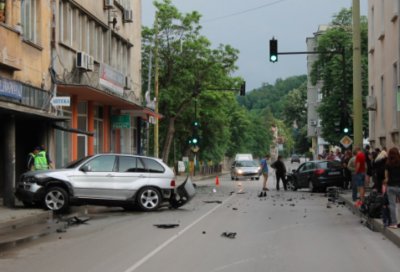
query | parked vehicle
[245, 168]
[105, 179]
[295, 158]
[243, 157]
[316, 175]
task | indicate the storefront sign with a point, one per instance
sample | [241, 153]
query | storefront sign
[112, 79]
[121, 121]
[61, 101]
[10, 88]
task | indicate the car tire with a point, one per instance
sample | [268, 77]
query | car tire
[311, 186]
[291, 186]
[56, 199]
[232, 178]
[148, 199]
[257, 178]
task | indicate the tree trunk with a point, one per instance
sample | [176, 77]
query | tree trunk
[168, 139]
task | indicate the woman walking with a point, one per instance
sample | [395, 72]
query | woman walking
[392, 181]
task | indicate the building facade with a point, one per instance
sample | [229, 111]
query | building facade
[383, 101]
[314, 97]
[69, 80]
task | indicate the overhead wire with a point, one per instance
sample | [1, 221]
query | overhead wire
[243, 11]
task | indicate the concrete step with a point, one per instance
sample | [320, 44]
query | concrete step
[13, 219]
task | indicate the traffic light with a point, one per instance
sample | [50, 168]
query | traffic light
[195, 140]
[196, 124]
[243, 89]
[346, 130]
[273, 50]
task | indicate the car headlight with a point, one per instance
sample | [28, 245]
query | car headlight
[240, 171]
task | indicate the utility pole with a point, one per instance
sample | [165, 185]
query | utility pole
[156, 85]
[357, 96]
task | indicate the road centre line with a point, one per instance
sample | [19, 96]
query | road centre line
[174, 237]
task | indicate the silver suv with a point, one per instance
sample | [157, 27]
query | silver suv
[105, 179]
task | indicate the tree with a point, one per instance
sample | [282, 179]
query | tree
[187, 66]
[335, 71]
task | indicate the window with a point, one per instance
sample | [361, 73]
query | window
[2, 11]
[102, 164]
[153, 166]
[127, 164]
[29, 20]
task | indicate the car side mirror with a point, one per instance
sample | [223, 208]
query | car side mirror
[86, 168]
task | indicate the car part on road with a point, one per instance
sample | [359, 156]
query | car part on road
[231, 235]
[166, 226]
[212, 201]
[184, 193]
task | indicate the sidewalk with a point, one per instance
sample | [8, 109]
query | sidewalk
[375, 224]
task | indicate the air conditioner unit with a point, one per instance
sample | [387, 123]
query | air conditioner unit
[90, 63]
[371, 103]
[128, 82]
[128, 16]
[108, 4]
[81, 60]
[313, 123]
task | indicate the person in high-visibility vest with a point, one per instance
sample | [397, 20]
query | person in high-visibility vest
[40, 159]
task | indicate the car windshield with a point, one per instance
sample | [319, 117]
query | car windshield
[73, 164]
[246, 164]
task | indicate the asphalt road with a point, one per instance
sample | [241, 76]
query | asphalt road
[285, 231]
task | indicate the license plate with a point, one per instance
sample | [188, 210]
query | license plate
[334, 173]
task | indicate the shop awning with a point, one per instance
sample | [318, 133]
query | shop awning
[88, 93]
[73, 130]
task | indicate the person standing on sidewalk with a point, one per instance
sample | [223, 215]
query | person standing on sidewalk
[351, 166]
[360, 170]
[264, 172]
[392, 181]
[280, 172]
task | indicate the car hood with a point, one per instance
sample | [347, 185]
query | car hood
[61, 174]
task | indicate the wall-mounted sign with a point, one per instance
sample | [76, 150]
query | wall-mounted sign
[121, 121]
[10, 88]
[61, 101]
[111, 79]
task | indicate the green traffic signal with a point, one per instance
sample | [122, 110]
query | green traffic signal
[195, 141]
[273, 50]
[346, 130]
[196, 123]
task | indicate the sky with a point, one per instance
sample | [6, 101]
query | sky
[248, 25]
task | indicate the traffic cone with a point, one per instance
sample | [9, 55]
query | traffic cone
[217, 181]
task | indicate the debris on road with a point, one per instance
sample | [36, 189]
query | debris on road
[230, 235]
[76, 220]
[166, 226]
[212, 201]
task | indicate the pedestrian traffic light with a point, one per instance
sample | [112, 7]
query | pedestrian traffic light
[243, 89]
[273, 50]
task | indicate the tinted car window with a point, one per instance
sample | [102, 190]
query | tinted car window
[128, 164]
[73, 164]
[246, 164]
[102, 164]
[153, 166]
[330, 165]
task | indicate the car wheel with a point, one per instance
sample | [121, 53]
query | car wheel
[232, 178]
[311, 186]
[149, 199]
[257, 178]
[291, 186]
[56, 199]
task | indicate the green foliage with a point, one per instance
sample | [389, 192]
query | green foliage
[336, 73]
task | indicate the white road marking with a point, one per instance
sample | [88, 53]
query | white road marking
[174, 237]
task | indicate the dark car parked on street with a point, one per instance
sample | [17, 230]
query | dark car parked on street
[316, 175]
[295, 158]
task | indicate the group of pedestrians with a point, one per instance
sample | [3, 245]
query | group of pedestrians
[380, 167]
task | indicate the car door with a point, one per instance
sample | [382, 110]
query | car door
[304, 173]
[130, 176]
[96, 178]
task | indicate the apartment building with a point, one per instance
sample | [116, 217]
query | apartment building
[383, 101]
[69, 80]
[314, 97]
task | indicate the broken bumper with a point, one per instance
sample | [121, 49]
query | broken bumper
[183, 194]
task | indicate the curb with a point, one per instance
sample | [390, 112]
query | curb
[375, 224]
